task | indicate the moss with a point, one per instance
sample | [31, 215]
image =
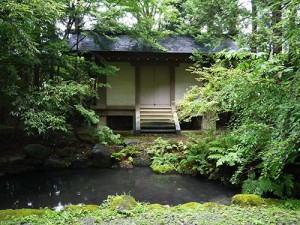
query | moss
[90, 208]
[191, 205]
[9, 213]
[209, 205]
[165, 168]
[123, 203]
[247, 199]
[154, 207]
[292, 204]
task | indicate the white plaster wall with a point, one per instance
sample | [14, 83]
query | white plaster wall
[122, 91]
[183, 80]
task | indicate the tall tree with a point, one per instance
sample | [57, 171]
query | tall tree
[209, 21]
[37, 68]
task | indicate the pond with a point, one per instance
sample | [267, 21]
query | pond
[92, 186]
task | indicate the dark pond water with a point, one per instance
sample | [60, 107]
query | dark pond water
[92, 186]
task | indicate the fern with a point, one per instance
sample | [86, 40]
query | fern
[262, 186]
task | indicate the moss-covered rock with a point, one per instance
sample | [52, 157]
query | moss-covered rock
[123, 203]
[37, 151]
[247, 199]
[155, 207]
[165, 168]
[90, 208]
[9, 213]
[209, 205]
[66, 152]
[191, 205]
[101, 156]
[56, 164]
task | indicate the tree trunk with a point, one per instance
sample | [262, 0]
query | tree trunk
[277, 31]
[36, 76]
[253, 44]
[209, 120]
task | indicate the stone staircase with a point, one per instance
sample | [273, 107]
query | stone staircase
[157, 120]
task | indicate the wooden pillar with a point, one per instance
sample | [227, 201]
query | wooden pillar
[136, 123]
[102, 92]
[172, 85]
[209, 120]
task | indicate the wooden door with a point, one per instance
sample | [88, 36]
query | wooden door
[155, 85]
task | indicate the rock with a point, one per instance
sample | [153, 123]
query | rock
[3, 163]
[101, 156]
[37, 151]
[142, 160]
[56, 163]
[19, 169]
[66, 152]
[122, 165]
[35, 162]
[17, 160]
[79, 161]
[130, 141]
[247, 199]
[15, 165]
[123, 203]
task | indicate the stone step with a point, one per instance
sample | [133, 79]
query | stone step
[156, 110]
[157, 120]
[158, 117]
[158, 131]
[156, 113]
[157, 126]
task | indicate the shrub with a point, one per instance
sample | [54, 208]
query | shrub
[106, 136]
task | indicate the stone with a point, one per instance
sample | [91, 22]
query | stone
[122, 165]
[130, 141]
[37, 151]
[19, 169]
[101, 156]
[56, 163]
[3, 163]
[17, 160]
[66, 152]
[79, 162]
[123, 203]
[142, 160]
[247, 199]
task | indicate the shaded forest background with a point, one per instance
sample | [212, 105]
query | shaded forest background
[46, 88]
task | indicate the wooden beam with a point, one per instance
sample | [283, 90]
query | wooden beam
[172, 85]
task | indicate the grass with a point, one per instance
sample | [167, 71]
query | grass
[272, 212]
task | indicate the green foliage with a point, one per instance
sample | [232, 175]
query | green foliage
[162, 168]
[150, 19]
[159, 146]
[128, 152]
[9, 213]
[261, 92]
[166, 156]
[281, 187]
[106, 136]
[209, 21]
[195, 155]
[271, 212]
[54, 107]
[81, 208]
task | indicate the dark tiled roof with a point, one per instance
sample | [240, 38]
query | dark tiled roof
[124, 43]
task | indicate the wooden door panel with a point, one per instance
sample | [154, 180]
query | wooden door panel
[155, 85]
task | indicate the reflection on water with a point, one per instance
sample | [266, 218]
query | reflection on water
[92, 186]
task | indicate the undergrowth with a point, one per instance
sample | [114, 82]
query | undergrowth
[270, 212]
